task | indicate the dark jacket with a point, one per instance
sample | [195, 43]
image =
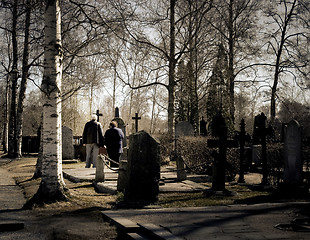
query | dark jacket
[113, 139]
[93, 133]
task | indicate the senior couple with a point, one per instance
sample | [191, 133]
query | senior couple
[93, 139]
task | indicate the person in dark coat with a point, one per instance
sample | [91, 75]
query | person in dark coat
[113, 140]
[92, 139]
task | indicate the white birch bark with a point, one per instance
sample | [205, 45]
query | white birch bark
[52, 184]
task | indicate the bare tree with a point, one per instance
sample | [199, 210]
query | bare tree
[12, 146]
[288, 38]
[236, 22]
[168, 41]
[23, 84]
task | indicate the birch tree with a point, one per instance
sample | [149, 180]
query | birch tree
[52, 187]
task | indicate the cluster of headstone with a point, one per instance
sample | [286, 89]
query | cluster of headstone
[139, 171]
[292, 138]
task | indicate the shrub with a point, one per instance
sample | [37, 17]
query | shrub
[198, 156]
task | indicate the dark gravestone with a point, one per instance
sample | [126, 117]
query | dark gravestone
[143, 168]
[242, 143]
[120, 124]
[98, 114]
[136, 118]
[292, 153]
[203, 127]
[30, 144]
[261, 133]
[242, 137]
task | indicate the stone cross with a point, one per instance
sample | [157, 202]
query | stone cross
[98, 115]
[262, 133]
[116, 112]
[222, 143]
[136, 118]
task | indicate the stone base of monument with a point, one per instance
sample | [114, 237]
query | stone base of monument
[105, 187]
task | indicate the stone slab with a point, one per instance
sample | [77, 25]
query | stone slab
[241, 222]
[120, 221]
[157, 232]
[136, 236]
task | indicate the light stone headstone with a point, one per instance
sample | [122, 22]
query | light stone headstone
[67, 143]
[292, 153]
[143, 169]
[182, 129]
[99, 177]
[257, 154]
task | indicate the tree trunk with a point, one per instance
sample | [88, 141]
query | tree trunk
[52, 187]
[6, 117]
[278, 62]
[23, 84]
[38, 170]
[172, 65]
[231, 63]
[12, 147]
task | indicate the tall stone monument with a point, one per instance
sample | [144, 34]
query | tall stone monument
[182, 129]
[292, 153]
[143, 168]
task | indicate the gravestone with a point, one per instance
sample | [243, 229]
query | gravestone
[219, 167]
[136, 118]
[30, 144]
[257, 154]
[122, 178]
[292, 153]
[242, 140]
[143, 169]
[203, 127]
[99, 177]
[242, 137]
[182, 129]
[120, 124]
[67, 143]
[259, 135]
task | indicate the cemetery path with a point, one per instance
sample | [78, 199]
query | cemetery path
[78, 219]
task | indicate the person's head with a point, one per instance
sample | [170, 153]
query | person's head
[93, 117]
[113, 124]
